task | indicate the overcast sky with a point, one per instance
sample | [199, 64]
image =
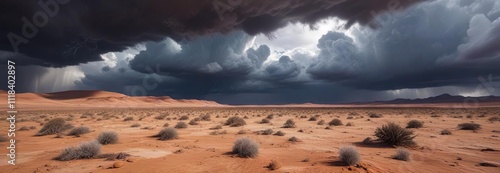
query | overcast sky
[256, 52]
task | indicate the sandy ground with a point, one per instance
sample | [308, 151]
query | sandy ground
[196, 150]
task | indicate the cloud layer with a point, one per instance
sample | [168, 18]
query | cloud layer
[59, 33]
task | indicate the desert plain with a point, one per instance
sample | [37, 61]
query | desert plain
[205, 145]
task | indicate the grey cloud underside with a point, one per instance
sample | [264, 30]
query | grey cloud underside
[439, 43]
[80, 31]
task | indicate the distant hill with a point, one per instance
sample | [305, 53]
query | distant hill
[444, 98]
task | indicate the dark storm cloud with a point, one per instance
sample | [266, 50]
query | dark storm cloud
[439, 43]
[191, 69]
[69, 32]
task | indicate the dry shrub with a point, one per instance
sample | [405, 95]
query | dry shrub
[394, 134]
[415, 124]
[289, 124]
[349, 155]
[246, 147]
[54, 126]
[85, 150]
[106, 138]
[167, 134]
[235, 121]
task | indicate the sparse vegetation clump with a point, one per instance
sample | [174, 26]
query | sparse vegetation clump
[193, 122]
[54, 126]
[85, 150]
[313, 118]
[294, 139]
[349, 155]
[77, 131]
[493, 119]
[167, 134]
[181, 125]
[349, 124]
[267, 132]
[135, 125]
[235, 121]
[367, 140]
[274, 165]
[265, 121]
[446, 132]
[184, 117]
[335, 122]
[106, 138]
[469, 126]
[161, 116]
[246, 147]
[289, 124]
[374, 115]
[402, 154]
[321, 122]
[129, 119]
[280, 133]
[394, 134]
[415, 124]
[3, 138]
[205, 118]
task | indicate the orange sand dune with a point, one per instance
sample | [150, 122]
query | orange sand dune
[96, 98]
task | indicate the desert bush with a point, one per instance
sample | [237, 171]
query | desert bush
[217, 132]
[32, 127]
[56, 125]
[180, 125]
[493, 119]
[85, 150]
[335, 122]
[349, 155]
[394, 134]
[184, 117]
[321, 122]
[445, 132]
[367, 140]
[242, 132]
[274, 165]
[469, 126]
[193, 122]
[294, 139]
[289, 124]
[270, 116]
[114, 156]
[265, 120]
[350, 117]
[374, 115]
[136, 125]
[77, 131]
[415, 124]
[166, 125]
[3, 138]
[167, 134]
[235, 121]
[468, 116]
[246, 147]
[313, 119]
[24, 128]
[129, 119]
[267, 132]
[280, 133]
[205, 117]
[106, 138]
[402, 154]
[216, 127]
[349, 124]
[161, 116]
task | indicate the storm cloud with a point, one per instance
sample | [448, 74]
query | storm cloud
[57, 33]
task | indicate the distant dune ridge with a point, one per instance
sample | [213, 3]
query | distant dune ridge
[106, 99]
